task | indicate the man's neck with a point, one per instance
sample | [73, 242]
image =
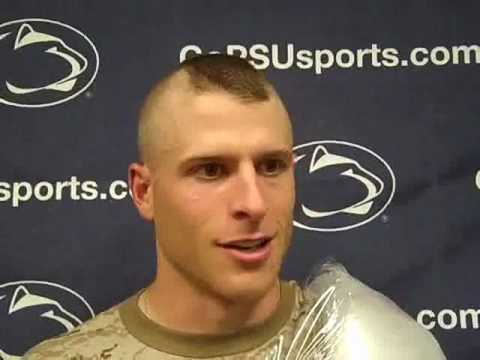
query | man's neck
[179, 306]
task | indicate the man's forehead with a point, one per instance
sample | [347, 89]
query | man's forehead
[234, 149]
[212, 113]
[188, 121]
[225, 144]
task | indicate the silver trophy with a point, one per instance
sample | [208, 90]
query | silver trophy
[350, 321]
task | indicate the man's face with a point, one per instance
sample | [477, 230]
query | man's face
[223, 193]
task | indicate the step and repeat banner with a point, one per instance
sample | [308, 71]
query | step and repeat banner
[385, 101]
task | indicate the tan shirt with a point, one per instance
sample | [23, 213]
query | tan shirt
[124, 332]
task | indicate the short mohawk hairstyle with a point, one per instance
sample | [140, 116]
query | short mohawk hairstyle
[232, 74]
[205, 73]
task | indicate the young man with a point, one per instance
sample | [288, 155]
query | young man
[216, 178]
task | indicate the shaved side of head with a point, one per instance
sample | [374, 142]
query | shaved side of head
[153, 117]
[205, 73]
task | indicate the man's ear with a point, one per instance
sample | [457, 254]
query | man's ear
[140, 183]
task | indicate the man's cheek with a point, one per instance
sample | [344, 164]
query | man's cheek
[197, 202]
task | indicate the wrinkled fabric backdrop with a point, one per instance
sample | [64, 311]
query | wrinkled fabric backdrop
[384, 97]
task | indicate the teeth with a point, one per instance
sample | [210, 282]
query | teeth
[245, 247]
[247, 244]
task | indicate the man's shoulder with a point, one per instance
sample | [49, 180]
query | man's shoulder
[100, 334]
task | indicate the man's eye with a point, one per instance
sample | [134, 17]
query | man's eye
[272, 167]
[210, 171]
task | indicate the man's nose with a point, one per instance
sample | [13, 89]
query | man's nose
[248, 198]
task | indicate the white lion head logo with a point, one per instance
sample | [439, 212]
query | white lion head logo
[44, 62]
[27, 36]
[31, 312]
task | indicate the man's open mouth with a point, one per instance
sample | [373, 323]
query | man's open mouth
[247, 245]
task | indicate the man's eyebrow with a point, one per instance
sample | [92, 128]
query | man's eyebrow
[217, 156]
[281, 153]
[202, 158]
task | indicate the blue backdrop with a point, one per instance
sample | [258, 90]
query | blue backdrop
[384, 101]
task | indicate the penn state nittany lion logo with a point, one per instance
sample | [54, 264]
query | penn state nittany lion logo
[340, 185]
[32, 311]
[44, 63]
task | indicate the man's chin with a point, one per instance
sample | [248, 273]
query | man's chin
[248, 289]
